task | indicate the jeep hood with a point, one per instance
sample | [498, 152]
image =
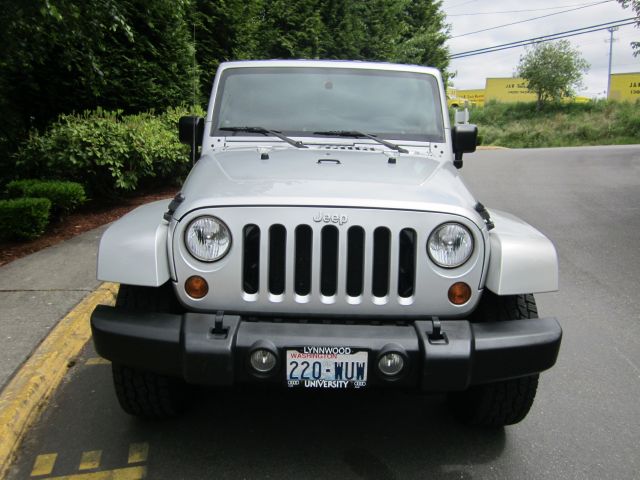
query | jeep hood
[321, 177]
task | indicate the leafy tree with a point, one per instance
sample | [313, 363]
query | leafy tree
[61, 56]
[423, 38]
[552, 70]
[406, 31]
[635, 5]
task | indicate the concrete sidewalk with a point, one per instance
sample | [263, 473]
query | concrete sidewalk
[38, 290]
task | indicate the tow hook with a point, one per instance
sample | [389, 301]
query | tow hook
[437, 336]
[218, 330]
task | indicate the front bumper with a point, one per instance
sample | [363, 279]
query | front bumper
[210, 349]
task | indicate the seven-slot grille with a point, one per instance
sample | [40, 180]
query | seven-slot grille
[354, 262]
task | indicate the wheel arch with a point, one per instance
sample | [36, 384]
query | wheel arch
[522, 259]
[133, 250]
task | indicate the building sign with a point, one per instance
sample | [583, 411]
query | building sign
[508, 90]
[625, 87]
[476, 97]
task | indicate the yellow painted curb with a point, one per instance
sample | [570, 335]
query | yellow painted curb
[491, 147]
[26, 394]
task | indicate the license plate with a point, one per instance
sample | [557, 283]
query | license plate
[327, 367]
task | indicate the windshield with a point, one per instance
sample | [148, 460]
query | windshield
[298, 101]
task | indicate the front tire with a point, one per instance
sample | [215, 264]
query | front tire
[147, 394]
[506, 402]
[140, 392]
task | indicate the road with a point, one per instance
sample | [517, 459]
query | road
[585, 423]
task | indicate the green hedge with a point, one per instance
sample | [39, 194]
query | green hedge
[64, 196]
[23, 218]
[108, 152]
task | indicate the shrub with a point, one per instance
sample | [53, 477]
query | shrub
[23, 218]
[64, 196]
[107, 151]
[519, 125]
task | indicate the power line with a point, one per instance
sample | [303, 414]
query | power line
[530, 19]
[545, 38]
[517, 11]
[463, 3]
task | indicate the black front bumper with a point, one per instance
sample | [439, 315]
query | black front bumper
[199, 350]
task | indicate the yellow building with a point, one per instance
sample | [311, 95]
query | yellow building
[507, 90]
[625, 87]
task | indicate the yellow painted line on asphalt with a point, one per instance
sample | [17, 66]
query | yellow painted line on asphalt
[26, 394]
[128, 473]
[44, 464]
[491, 147]
[97, 361]
[90, 460]
[138, 452]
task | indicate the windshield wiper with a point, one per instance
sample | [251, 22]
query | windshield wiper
[266, 131]
[356, 134]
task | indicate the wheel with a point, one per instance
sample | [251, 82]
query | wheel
[506, 402]
[149, 299]
[143, 393]
[147, 394]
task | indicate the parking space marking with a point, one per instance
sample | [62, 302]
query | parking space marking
[97, 361]
[138, 452]
[23, 398]
[90, 460]
[128, 473]
[44, 464]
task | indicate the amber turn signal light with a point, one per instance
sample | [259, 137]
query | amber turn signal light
[196, 286]
[459, 293]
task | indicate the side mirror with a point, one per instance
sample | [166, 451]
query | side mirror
[191, 132]
[464, 138]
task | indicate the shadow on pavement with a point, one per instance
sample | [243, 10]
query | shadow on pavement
[376, 435]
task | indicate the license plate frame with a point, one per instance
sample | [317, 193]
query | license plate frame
[326, 367]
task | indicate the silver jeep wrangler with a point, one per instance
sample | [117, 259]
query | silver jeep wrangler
[325, 240]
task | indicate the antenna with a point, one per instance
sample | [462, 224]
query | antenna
[193, 104]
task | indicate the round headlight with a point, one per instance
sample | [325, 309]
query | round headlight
[207, 239]
[450, 245]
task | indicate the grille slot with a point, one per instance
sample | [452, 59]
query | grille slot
[277, 250]
[407, 263]
[381, 245]
[304, 244]
[355, 261]
[329, 261]
[251, 259]
[346, 264]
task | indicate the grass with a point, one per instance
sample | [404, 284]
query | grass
[519, 125]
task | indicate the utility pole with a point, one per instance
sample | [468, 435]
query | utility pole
[610, 30]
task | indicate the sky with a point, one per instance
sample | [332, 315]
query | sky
[472, 71]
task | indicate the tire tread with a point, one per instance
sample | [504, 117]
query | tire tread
[505, 402]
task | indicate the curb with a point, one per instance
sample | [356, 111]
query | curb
[27, 393]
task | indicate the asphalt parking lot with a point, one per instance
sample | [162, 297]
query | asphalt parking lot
[585, 422]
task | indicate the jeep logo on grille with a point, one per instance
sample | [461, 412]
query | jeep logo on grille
[330, 218]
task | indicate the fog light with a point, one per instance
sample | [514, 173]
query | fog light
[459, 293]
[391, 364]
[196, 287]
[262, 361]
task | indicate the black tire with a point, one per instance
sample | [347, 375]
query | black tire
[147, 394]
[149, 299]
[506, 402]
[143, 393]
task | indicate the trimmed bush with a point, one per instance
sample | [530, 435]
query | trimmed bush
[108, 152]
[64, 196]
[23, 218]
